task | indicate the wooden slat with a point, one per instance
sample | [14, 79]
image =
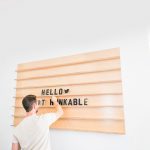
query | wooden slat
[104, 125]
[105, 88]
[107, 126]
[93, 101]
[110, 76]
[68, 60]
[94, 113]
[106, 65]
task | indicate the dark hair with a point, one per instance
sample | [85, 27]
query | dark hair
[28, 102]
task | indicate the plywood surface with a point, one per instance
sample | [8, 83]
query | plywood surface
[88, 86]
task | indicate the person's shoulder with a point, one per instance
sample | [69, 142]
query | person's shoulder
[16, 128]
[18, 125]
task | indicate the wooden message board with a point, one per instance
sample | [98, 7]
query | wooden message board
[88, 86]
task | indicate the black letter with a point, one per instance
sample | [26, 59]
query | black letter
[43, 92]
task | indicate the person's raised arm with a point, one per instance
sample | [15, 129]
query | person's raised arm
[51, 117]
[59, 111]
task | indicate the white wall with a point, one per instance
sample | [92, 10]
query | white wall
[34, 30]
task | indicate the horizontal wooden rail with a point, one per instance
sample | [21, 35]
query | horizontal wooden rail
[61, 85]
[71, 60]
[38, 76]
[99, 94]
[104, 125]
[101, 112]
[75, 106]
[78, 118]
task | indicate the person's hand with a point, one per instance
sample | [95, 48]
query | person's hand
[54, 99]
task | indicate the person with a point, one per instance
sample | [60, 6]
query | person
[32, 133]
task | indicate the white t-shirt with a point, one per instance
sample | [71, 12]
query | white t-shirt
[33, 132]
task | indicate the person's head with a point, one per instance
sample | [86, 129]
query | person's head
[29, 103]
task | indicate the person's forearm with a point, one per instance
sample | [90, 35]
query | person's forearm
[59, 109]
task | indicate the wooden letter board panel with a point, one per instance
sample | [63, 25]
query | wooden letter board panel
[88, 86]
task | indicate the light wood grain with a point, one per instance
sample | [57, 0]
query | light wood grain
[93, 113]
[97, 66]
[72, 80]
[69, 60]
[107, 126]
[94, 76]
[104, 125]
